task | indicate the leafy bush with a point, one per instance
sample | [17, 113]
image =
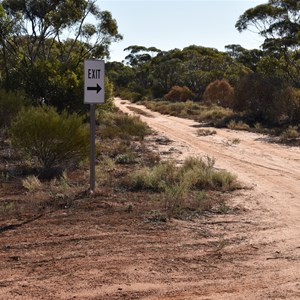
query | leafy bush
[129, 95]
[50, 137]
[219, 92]
[179, 94]
[10, 104]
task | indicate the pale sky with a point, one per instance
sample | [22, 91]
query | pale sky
[170, 24]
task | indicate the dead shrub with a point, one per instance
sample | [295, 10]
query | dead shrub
[179, 94]
[219, 92]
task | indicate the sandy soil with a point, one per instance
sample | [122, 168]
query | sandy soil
[272, 174]
[97, 250]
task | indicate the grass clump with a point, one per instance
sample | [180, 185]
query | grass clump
[290, 133]
[32, 183]
[122, 126]
[60, 184]
[213, 114]
[126, 158]
[240, 125]
[183, 186]
[190, 110]
[199, 173]
[206, 132]
[232, 142]
[156, 179]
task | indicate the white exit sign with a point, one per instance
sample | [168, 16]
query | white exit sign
[94, 72]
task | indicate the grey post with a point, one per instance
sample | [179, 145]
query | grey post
[92, 146]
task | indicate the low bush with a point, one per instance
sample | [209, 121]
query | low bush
[214, 114]
[133, 96]
[293, 105]
[51, 138]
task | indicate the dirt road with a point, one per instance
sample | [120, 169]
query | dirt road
[95, 248]
[271, 172]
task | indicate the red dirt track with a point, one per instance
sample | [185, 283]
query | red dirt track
[97, 250]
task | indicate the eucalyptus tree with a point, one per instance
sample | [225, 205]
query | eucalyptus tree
[139, 59]
[278, 22]
[203, 65]
[249, 58]
[44, 42]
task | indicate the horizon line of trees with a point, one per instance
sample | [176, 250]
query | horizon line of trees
[43, 45]
[264, 83]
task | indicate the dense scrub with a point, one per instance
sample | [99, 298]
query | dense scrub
[49, 138]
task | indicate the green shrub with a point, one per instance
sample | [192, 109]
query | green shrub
[181, 187]
[50, 137]
[10, 104]
[195, 162]
[199, 173]
[174, 199]
[156, 179]
[131, 95]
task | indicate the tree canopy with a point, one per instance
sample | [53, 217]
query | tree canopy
[278, 22]
[43, 44]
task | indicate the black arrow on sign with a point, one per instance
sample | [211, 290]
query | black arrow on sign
[94, 88]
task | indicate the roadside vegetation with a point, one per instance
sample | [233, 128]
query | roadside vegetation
[257, 89]
[43, 134]
[53, 176]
